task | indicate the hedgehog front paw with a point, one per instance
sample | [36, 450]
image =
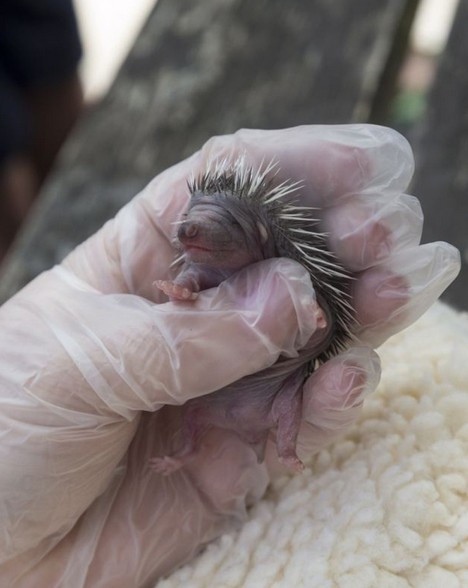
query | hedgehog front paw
[165, 465]
[174, 291]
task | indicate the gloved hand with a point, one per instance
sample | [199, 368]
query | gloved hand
[94, 362]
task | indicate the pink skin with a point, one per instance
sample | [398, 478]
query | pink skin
[215, 247]
[251, 407]
[251, 416]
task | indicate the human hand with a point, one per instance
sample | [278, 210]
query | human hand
[84, 354]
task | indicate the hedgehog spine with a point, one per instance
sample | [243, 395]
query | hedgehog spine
[294, 229]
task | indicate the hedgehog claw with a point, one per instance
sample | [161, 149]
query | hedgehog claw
[165, 465]
[292, 462]
[174, 291]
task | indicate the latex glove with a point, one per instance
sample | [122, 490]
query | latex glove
[93, 361]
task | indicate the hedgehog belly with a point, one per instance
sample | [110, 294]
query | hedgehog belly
[251, 407]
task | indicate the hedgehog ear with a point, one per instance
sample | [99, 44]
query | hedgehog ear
[262, 232]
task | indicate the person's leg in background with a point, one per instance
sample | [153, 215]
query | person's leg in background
[40, 100]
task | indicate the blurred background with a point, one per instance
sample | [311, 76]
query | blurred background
[99, 96]
[110, 27]
[108, 30]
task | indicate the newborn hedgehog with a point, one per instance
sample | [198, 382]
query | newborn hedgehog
[237, 216]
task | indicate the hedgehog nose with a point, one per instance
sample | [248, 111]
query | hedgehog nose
[188, 230]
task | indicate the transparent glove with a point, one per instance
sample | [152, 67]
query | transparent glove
[94, 363]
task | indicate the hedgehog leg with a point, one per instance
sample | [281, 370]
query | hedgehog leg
[287, 410]
[192, 430]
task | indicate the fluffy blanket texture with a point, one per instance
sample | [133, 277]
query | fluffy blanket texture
[387, 505]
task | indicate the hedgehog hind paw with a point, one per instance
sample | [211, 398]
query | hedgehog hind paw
[292, 462]
[165, 465]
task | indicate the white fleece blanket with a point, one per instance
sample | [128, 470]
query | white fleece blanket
[387, 505]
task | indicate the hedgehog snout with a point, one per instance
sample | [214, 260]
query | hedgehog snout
[188, 230]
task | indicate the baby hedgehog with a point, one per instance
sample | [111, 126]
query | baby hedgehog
[237, 216]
